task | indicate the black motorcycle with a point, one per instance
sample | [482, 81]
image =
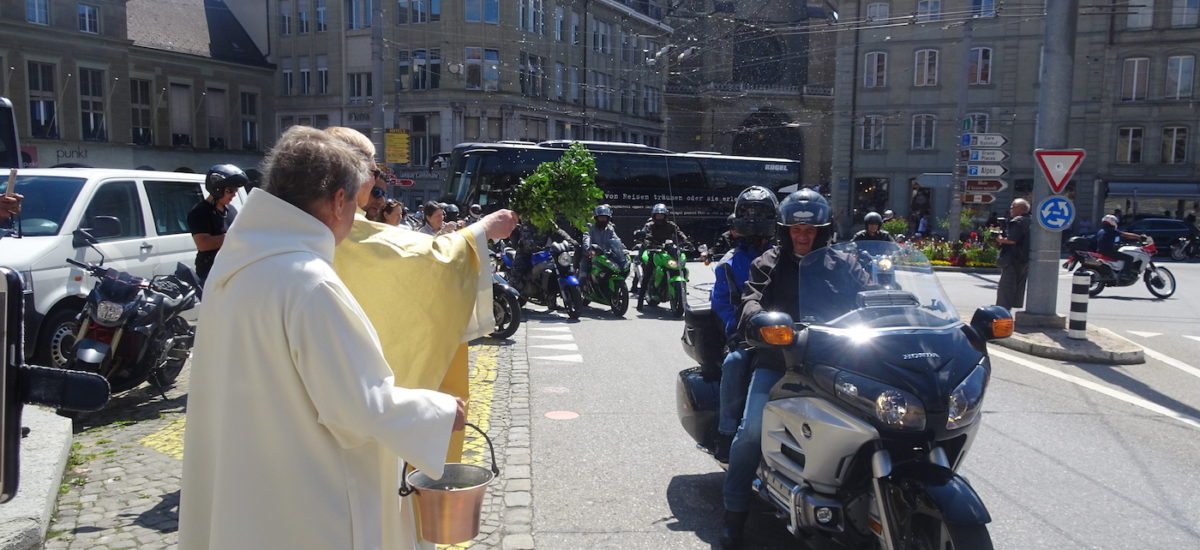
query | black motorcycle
[131, 329]
[1186, 248]
[863, 436]
[506, 303]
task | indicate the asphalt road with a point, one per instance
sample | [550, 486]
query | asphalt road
[1068, 456]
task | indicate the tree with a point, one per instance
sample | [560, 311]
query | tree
[564, 187]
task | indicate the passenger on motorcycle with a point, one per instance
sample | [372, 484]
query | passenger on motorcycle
[775, 285]
[874, 230]
[1108, 242]
[753, 221]
[658, 230]
[530, 240]
[602, 233]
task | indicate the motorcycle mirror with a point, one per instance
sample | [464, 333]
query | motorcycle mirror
[992, 322]
[770, 329]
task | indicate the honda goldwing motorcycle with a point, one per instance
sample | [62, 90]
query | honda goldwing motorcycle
[552, 275]
[1107, 271]
[863, 436]
[506, 302]
[131, 329]
[605, 281]
[666, 279]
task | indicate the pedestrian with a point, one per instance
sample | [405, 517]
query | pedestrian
[393, 212]
[208, 219]
[922, 226]
[1014, 257]
[295, 427]
[433, 222]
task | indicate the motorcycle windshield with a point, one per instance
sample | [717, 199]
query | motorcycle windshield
[871, 285]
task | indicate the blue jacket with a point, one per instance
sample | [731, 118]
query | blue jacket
[726, 301]
[1107, 240]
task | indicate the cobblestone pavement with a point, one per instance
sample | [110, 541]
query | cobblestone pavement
[121, 486]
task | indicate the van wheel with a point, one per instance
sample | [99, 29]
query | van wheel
[57, 345]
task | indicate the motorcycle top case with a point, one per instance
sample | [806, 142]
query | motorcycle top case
[704, 338]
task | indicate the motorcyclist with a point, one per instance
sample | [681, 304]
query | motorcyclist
[1108, 242]
[874, 230]
[753, 221]
[475, 213]
[530, 240]
[830, 285]
[725, 242]
[658, 230]
[602, 233]
[207, 220]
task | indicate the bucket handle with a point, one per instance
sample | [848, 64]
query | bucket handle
[406, 489]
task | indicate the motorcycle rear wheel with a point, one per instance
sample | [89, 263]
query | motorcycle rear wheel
[620, 300]
[507, 311]
[1095, 286]
[1167, 278]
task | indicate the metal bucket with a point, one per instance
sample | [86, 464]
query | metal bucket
[450, 507]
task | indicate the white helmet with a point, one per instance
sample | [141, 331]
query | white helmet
[1110, 220]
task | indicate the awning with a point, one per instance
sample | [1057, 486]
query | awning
[1187, 191]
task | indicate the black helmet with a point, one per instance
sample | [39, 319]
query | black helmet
[873, 218]
[602, 210]
[659, 208]
[755, 212]
[221, 176]
[451, 212]
[804, 207]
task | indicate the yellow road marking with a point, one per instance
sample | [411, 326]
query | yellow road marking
[168, 440]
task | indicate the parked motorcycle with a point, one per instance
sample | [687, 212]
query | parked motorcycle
[1187, 248]
[863, 436]
[1106, 271]
[667, 279]
[506, 304]
[552, 276]
[605, 282]
[131, 329]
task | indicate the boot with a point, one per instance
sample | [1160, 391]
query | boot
[734, 529]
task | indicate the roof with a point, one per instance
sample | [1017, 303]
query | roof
[205, 28]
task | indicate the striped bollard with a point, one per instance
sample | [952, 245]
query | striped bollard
[1077, 320]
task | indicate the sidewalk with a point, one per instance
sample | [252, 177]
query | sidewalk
[24, 519]
[1102, 346]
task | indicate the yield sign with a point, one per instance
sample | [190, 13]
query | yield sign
[1059, 165]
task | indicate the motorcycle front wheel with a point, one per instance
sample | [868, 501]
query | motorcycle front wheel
[678, 297]
[1178, 251]
[507, 311]
[1160, 282]
[620, 300]
[573, 301]
[936, 534]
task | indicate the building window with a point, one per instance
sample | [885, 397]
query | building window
[491, 11]
[37, 11]
[1181, 71]
[358, 14]
[476, 11]
[471, 128]
[322, 74]
[1183, 13]
[285, 17]
[358, 87]
[180, 104]
[426, 69]
[249, 121]
[981, 66]
[1140, 15]
[559, 23]
[530, 16]
[89, 19]
[218, 133]
[491, 70]
[533, 129]
[305, 76]
[402, 16]
[983, 8]
[531, 75]
[878, 11]
[923, 127]
[1133, 79]
[925, 68]
[601, 37]
[575, 28]
[322, 16]
[574, 82]
[1129, 145]
[875, 70]
[872, 133]
[42, 105]
[474, 67]
[929, 10]
[140, 110]
[91, 104]
[979, 122]
[1174, 145]
[653, 99]
[285, 83]
[559, 69]
[302, 16]
[423, 138]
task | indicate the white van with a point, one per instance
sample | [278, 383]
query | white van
[151, 235]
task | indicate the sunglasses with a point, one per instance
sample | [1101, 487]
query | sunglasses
[378, 192]
[375, 172]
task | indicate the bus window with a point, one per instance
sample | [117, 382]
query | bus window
[738, 173]
[644, 172]
[610, 170]
[685, 173]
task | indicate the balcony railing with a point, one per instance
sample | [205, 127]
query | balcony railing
[821, 91]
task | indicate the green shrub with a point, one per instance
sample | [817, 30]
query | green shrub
[566, 186]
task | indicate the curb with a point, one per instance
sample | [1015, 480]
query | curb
[966, 269]
[1102, 346]
[24, 519]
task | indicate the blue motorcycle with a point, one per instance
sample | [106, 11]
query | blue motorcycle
[552, 275]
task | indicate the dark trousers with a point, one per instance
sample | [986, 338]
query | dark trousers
[1010, 293]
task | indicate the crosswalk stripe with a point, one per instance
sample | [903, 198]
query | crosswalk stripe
[554, 329]
[575, 358]
[553, 336]
[564, 347]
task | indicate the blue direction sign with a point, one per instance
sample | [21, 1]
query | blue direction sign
[1055, 213]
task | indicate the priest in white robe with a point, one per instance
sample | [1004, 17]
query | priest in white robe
[294, 422]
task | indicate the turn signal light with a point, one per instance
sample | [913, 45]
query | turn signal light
[779, 335]
[1002, 328]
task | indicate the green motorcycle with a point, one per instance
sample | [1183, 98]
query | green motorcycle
[605, 282]
[667, 278]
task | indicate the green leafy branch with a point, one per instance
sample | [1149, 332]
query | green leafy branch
[566, 186]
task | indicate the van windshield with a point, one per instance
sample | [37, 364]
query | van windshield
[47, 201]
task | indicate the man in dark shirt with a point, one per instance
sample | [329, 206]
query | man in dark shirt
[1014, 257]
[874, 230]
[207, 220]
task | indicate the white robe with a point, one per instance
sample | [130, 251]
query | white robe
[294, 425]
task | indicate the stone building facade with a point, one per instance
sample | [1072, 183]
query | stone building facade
[134, 84]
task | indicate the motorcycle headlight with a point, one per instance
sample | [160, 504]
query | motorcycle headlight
[672, 264]
[966, 400]
[885, 264]
[894, 407]
[564, 260]
[109, 312]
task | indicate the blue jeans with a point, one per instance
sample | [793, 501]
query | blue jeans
[735, 375]
[746, 451]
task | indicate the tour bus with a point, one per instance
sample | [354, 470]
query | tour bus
[699, 187]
